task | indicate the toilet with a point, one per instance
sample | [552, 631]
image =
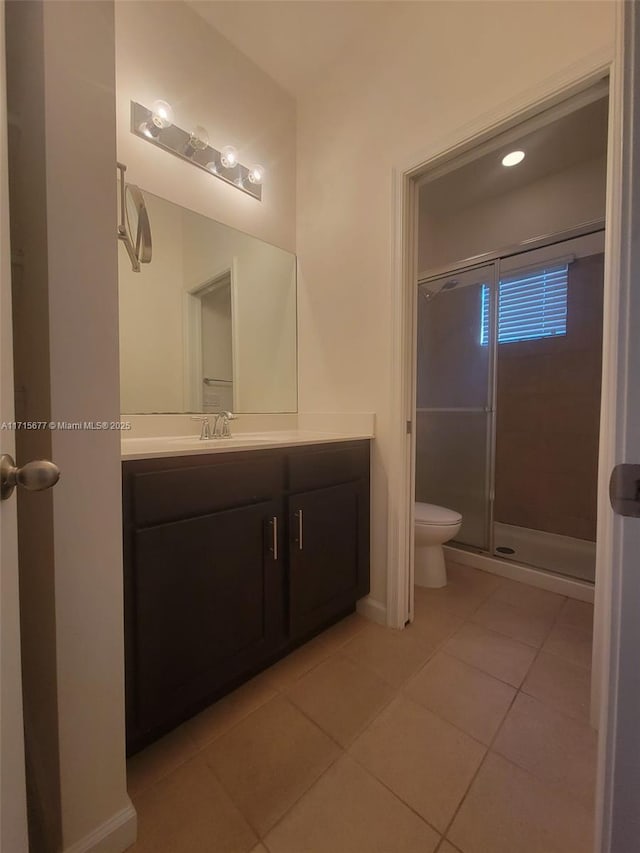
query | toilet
[434, 525]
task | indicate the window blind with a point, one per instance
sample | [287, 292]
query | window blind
[530, 305]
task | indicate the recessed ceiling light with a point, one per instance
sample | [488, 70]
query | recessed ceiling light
[513, 158]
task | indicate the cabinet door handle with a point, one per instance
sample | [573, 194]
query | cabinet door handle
[300, 526]
[274, 535]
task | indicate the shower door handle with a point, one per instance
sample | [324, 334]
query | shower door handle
[624, 490]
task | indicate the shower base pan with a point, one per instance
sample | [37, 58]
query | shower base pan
[565, 555]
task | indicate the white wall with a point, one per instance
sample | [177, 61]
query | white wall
[164, 50]
[554, 203]
[433, 69]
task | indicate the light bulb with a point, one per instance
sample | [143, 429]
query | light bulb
[212, 166]
[256, 174]
[513, 158]
[161, 119]
[161, 114]
[229, 157]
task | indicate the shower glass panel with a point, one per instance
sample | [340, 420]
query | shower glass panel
[549, 365]
[455, 398]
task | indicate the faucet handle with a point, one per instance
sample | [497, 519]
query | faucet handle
[226, 417]
[205, 430]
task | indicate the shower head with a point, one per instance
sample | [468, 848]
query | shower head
[432, 288]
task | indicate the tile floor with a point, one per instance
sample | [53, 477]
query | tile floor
[466, 733]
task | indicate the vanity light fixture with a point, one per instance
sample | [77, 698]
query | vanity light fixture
[513, 158]
[156, 126]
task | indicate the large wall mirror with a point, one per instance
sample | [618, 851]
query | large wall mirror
[210, 323]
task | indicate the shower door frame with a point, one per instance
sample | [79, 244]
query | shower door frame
[490, 408]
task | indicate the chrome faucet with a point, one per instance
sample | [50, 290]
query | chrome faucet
[220, 427]
[205, 429]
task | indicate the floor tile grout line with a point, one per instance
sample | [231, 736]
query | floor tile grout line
[490, 746]
[370, 669]
[234, 725]
[307, 790]
[519, 610]
[485, 747]
[455, 725]
[336, 758]
[327, 734]
[343, 751]
[509, 683]
[490, 750]
[444, 840]
[395, 795]
[346, 752]
[199, 749]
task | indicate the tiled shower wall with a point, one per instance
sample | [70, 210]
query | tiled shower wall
[548, 414]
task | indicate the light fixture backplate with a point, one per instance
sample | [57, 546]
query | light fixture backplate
[175, 140]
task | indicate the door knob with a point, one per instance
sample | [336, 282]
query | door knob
[34, 476]
[624, 490]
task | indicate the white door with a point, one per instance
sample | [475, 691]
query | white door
[13, 812]
[619, 783]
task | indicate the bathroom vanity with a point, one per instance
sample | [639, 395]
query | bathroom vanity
[235, 550]
[232, 557]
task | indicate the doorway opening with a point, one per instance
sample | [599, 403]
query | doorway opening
[209, 341]
[507, 340]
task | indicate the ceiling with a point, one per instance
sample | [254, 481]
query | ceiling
[572, 139]
[293, 41]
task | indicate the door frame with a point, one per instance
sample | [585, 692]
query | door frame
[13, 799]
[192, 326]
[404, 271]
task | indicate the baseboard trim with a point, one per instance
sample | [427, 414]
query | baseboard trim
[570, 587]
[373, 610]
[113, 836]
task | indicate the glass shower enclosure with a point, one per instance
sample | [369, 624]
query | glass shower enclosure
[509, 358]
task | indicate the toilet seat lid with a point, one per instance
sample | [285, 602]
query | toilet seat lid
[432, 514]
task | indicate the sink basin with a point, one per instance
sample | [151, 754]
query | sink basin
[234, 441]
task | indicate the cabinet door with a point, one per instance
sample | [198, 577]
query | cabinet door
[329, 554]
[208, 608]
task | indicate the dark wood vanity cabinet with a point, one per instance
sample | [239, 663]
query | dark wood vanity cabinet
[231, 560]
[329, 535]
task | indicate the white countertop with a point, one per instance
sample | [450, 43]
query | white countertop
[190, 445]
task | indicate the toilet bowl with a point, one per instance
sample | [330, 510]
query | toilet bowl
[434, 525]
